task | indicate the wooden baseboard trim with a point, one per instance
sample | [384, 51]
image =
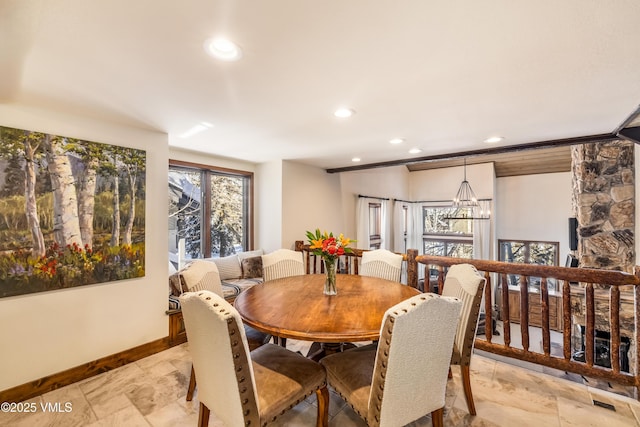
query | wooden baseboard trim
[70, 376]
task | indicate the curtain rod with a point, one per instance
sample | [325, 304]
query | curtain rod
[373, 197]
[435, 201]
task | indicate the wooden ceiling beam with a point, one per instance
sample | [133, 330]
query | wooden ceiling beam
[473, 153]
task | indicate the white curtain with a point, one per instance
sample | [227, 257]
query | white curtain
[398, 226]
[482, 241]
[415, 227]
[482, 231]
[362, 222]
[386, 233]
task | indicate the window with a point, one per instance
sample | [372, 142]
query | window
[210, 209]
[375, 225]
[447, 231]
[529, 252]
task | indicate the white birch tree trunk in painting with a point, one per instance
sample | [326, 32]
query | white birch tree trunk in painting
[66, 225]
[132, 211]
[115, 229]
[31, 208]
[86, 201]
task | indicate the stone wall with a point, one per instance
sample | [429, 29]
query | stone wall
[604, 204]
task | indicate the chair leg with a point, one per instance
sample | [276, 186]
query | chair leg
[322, 395]
[466, 384]
[192, 385]
[203, 416]
[283, 342]
[437, 417]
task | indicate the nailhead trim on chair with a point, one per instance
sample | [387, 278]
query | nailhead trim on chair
[247, 397]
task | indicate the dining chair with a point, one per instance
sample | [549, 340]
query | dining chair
[463, 281]
[282, 263]
[242, 387]
[381, 263]
[404, 377]
[200, 275]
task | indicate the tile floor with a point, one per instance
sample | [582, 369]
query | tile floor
[151, 392]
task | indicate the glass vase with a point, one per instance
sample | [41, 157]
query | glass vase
[330, 281]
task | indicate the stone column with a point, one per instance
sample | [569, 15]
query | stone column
[604, 203]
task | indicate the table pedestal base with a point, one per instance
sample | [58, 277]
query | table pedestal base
[319, 350]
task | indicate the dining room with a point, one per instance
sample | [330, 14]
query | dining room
[426, 86]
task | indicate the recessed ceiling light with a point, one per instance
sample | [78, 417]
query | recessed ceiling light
[415, 151]
[493, 139]
[200, 127]
[396, 141]
[223, 49]
[344, 112]
[356, 159]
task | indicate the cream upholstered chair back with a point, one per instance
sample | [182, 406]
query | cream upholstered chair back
[282, 263]
[463, 281]
[219, 350]
[412, 362]
[245, 388]
[201, 275]
[381, 263]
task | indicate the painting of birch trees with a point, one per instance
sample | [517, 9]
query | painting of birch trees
[71, 212]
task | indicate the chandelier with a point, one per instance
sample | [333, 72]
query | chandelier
[466, 197]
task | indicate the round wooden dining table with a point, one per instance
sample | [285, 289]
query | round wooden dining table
[296, 307]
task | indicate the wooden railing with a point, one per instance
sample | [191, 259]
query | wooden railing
[594, 297]
[582, 288]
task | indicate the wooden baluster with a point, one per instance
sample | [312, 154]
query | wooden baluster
[412, 269]
[590, 314]
[614, 312]
[440, 278]
[566, 320]
[506, 322]
[524, 312]
[544, 302]
[488, 308]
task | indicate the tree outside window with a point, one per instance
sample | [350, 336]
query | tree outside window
[447, 231]
[209, 209]
[529, 252]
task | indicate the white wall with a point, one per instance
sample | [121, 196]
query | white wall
[204, 159]
[268, 203]
[535, 207]
[390, 182]
[443, 184]
[311, 199]
[49, 332]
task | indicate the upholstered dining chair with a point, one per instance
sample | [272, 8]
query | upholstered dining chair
[463, 281]
[282, 263]
[200, 275]
[381, 263]
[242, 387]
[405, 376]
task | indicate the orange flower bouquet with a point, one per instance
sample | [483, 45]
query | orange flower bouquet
[329, 247]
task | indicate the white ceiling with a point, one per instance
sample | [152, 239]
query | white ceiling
[444, 75]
